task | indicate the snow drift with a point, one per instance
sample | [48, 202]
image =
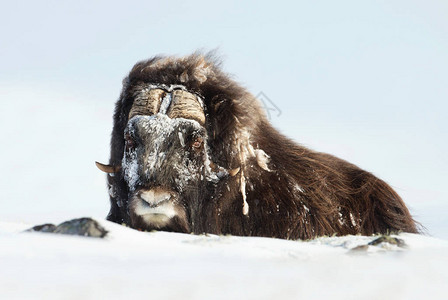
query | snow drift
[128, 263]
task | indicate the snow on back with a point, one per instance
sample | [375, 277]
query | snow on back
[352, 219]
[297, 188]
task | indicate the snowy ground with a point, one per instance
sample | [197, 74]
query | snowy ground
[161, 265]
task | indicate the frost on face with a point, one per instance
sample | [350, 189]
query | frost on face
[181, 138]
[165, 104]
[130, 163]
[163, 152]
[209, 174]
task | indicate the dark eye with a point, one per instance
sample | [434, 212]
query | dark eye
[129, 143]
[197, 143]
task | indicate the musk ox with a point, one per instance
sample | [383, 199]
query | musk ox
[192, 151]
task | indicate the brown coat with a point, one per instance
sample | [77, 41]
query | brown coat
[280, 189]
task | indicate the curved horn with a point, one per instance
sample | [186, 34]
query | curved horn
[107, 168]
[233, 172]
[146, 101]
[186, 105]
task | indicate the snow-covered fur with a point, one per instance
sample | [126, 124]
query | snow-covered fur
[234, 174]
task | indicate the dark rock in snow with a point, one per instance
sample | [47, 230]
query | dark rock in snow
[388, 239]
[81, 226]
[43, 228]
[383, 239]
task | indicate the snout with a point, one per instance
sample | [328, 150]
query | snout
[156, 197]
[154, 208]
[153, 204]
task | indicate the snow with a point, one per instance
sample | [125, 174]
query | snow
[243, 193]
[181, 139]
[262, 159]
[165, 104]
[130, 167]
[352, 219]
[129, 263]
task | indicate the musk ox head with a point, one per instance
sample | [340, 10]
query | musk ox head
[166, 168]
[173, 142]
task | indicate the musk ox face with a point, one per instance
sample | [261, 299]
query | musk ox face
[165, 164]
[166, 168]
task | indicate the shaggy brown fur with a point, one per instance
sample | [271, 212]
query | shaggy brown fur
[292, 193]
